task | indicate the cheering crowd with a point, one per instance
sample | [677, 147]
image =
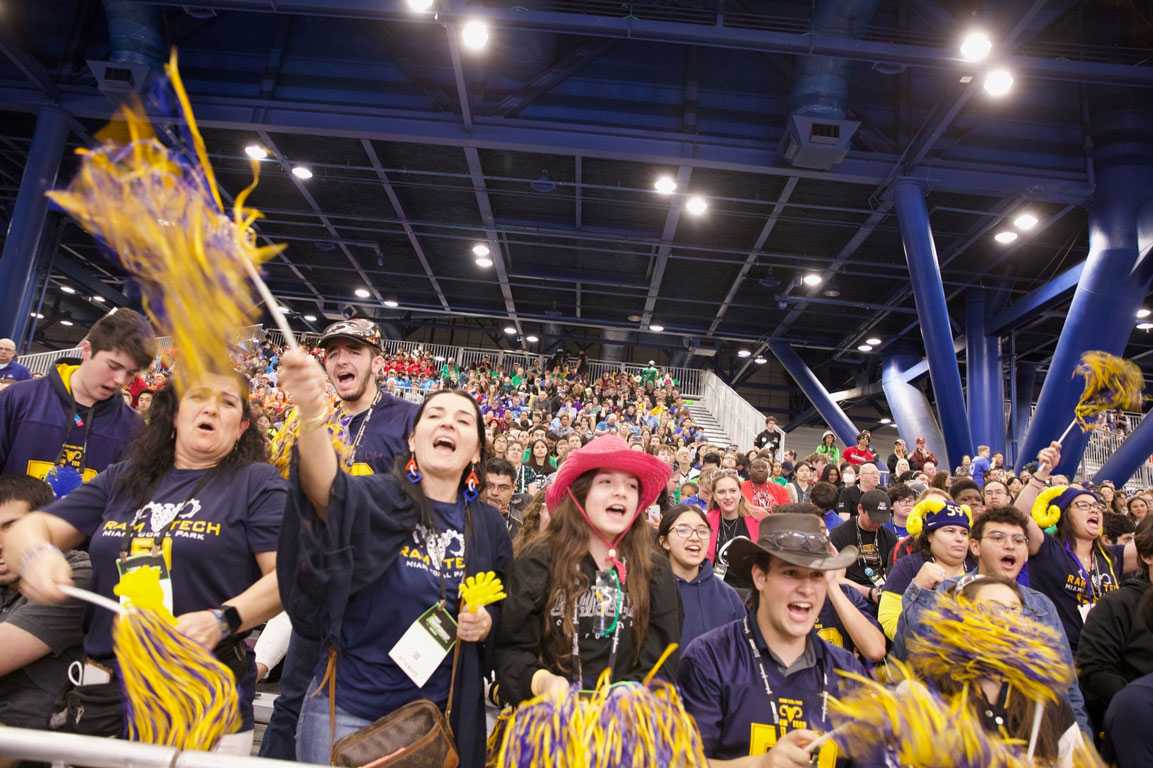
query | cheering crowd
[617, 529]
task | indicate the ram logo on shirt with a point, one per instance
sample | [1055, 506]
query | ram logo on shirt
[791, 712]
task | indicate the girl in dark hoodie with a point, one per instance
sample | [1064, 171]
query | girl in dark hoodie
[707, 601]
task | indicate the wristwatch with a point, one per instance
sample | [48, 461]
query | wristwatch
[229, 619]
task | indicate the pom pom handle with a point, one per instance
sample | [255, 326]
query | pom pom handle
[93, 598]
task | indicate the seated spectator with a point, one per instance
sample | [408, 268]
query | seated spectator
[824, 497]
[995, 494]
[1129, 719]
[733, 677]
[1116, 646]
[1119, 529]
[707, 601]
[941, 536]
[730, 517]
[999, 541]
[966, 493]
[759, 490]
[39, 641]
[1138, 508]
[534, 522]
[871, 540]
[498, 489]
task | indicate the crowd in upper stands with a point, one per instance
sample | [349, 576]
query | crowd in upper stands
[770, 565]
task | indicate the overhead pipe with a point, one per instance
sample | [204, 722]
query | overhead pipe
[933, 315]
[821, 83]
[134, 33]
[1101, 314]
[816, 392]
[910, 408]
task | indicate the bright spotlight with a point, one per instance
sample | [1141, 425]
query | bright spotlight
[760, 361]
[531, 339]
[66, 322]
[1144, 326]
[812, 279]
[420, 6]
[511, 331]
[873, 340]
[656, 327]
[665, 185]
[696, 205]
[98, 299]
[865, 348]
[976, 46]
[256, 152]
[480, 250]
[474, 35]
[362, 293]
[483, 262]
[744, 353]
[310, 318]
[391, 303]
[1025, 221]
[998, 82]
[1006, 237]
[302, 172]
[886, 421]
[1143, 313]
[67, 289]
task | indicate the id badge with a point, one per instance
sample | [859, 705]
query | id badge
[132, 562]
[425, 644]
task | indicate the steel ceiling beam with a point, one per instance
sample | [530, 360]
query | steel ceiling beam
[639, 146]
[398, 209]
[668, 235]
[1058, 289]
[632, 27]
[495, 244]
[755, 253]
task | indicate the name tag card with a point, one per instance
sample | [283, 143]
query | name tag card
[425, 644]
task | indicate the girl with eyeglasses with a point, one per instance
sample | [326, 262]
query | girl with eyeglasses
[707, 601]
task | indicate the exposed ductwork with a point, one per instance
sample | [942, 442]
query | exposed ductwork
[136, 43]
[613, 344]
[818, 134]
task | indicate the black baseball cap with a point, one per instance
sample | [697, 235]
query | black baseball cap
[876, 503]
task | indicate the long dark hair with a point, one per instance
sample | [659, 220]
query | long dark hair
[414, 491]
[567, 539]
[153, 452]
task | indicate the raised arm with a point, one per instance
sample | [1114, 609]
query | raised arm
[302, 378]
[1048, 458]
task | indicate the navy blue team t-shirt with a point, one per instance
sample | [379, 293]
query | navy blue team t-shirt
[1057, 573]
[218, 527]
[369, 683]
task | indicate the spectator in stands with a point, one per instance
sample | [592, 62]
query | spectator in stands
[1138, 508]
[941, 552]
[202, 453]
[802, 483]
[828, 448]
[541, 461]
[1129, 719]
[499, 485]
[760, 490]
[730, 517]
[872, 542]
[524, 479]
[769, 438]
[555, 630]
[900, 452]
[72, 424]
[901, 498]
[683, 470]
[832, 474]
[860, 453]
[981, 466]
[144, 403]
[999, 541]
[920, 455]
[966, 467]
[824, 497]
[378, 424]
[1116, 646]
[1119, 529]
[425, 513]
[534, 522]
[996, 494]
[10, 369]
[866, 478]
[734, 676]
[39, 641]
[967, 493]
[707, 601]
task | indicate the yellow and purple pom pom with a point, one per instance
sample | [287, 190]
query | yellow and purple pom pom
[1111, 384]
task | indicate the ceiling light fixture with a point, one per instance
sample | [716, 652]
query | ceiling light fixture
[66, 322]
[531, 339]
[301, 172]
[283, 309]
[98, 299]
[1025, 221]
[391, 303]
[864, 347]
[37, 316]
[873, 340]
[474, 35]
[1006, 237]
[483, 262]
[67, 289]
[976, 46]
[1142, 313]
[886, 420]
[760, 361]
[998, 82]
[310, 318]
[656, 327]
[256, 152]
[696, 205]
[480, 250]
[665, 185]
[744, 353]
[1144, 326]
[362, 293]
[420, 6]
[510, 330]
[812, 279]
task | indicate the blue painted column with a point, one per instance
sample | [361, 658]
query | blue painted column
[910, 408]
[816, 392]
[1101, 315]
[18, 262]
[1023, 409]
[983, 374]
[933, 315]
[1127, 459]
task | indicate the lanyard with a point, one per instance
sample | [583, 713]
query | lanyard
[73, 417]
[873, 575]
[576, 649]
[760, 662]
[159, 536]
[363, 426]
[1092, 578]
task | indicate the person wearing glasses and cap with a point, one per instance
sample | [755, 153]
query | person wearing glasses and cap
[593, 592]
[759, 687]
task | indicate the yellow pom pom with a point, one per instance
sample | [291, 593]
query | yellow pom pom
[141, 588]
[1111, 384]
[1044, 512]
[481, 590]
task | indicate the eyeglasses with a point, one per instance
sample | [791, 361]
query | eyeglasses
[1083, 506]
[689, 531]
[813, 543]
[1000, 538]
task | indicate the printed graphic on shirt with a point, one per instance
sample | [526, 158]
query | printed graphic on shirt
[154, 517]
[764, 736]
[360, 469]
[1089, 591]
[70, 456]
[596, 610]
[762, 497]
[438, 553]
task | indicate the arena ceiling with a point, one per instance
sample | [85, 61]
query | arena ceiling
[546, 145]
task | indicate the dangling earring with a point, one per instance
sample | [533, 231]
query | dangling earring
[471, 485]
[412, 471]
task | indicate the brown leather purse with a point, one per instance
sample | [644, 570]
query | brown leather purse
[418, 735]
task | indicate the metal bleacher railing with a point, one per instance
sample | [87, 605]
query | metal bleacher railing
[1104, 441]
[737, 417]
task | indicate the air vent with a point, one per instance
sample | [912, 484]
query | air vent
[825, 132]
[119, 78]
[817, 143]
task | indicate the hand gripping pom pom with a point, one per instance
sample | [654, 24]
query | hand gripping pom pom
[480, 590]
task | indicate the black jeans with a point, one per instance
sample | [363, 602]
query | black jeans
[279, 740]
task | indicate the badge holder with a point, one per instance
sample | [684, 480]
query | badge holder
[425, 645]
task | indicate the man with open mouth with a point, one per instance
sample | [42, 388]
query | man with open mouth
[758, 687]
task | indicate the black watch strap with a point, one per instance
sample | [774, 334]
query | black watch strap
[232, 618]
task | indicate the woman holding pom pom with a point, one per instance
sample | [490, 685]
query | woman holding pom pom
[373, 567]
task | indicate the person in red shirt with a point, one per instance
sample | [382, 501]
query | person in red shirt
[860, 453]
[760, 491]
